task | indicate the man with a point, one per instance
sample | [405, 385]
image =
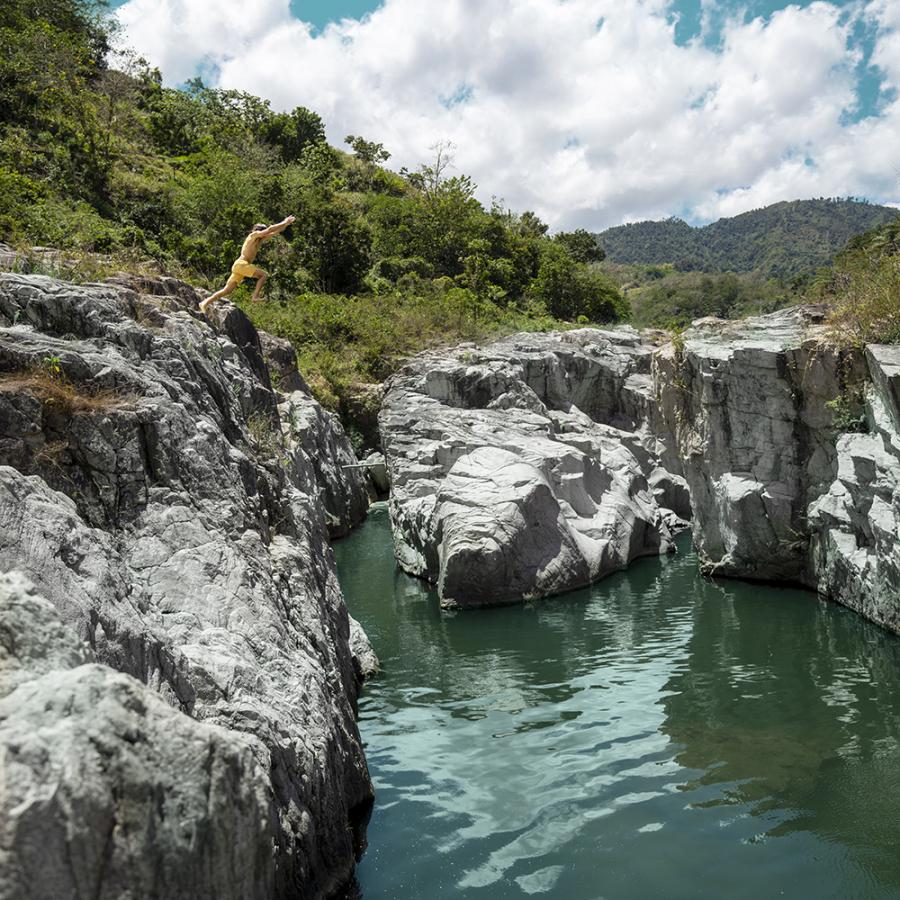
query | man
[243, 266]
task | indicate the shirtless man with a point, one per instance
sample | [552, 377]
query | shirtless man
[243, 266]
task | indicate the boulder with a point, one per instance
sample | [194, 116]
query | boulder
[522, 469]
[108, 791]
[376, 468]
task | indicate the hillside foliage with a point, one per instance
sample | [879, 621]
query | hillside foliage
[661, 296]
[786, 241]
[862, 289]
[100, 159]
[98, 156]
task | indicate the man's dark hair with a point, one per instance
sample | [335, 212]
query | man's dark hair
[259, 226]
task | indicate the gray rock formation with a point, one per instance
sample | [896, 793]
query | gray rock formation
[108, 791]
[541, 462]
[855, 526]
[528, 467]
[778, 493]
[318, 446]
[747, 402]
[377, 473]
[155, 495]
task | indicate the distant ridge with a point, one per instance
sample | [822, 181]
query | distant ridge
[778, 241]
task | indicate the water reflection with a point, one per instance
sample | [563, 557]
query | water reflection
[656, 735]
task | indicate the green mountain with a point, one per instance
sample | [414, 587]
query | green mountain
[779, 241]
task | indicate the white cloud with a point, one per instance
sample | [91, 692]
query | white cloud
[584, 110]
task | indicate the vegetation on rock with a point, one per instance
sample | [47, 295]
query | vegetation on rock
[102, 160]
[862, 289]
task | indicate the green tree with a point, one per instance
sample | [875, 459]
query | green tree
[368, 151]
[582, 246]
[293, 132]
[335, 246]
[569, 290]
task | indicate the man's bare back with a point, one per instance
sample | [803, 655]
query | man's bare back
[243, 266]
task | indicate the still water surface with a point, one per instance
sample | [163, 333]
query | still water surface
[654, 736]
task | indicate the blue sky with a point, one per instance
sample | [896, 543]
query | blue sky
[321, 12]
[590, 112]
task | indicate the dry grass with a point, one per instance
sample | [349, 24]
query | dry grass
[865, 306]
[264, 433]
[60, 393]
[80, 266]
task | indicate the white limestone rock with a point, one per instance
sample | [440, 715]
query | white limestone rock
[747, 403]
[109, 792]
[175, 521]
[520, 469]
[855, 526]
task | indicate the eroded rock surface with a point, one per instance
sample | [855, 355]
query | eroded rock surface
[169, 504]
[528, 467]
[541, 462]
[747, 401]
[108, 791]
[855, 526]
[778, 492]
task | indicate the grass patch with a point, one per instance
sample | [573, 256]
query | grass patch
[57, 391]
[865, 303]
[862, 290]
[264, 434]
[79, 266]
[344, 342]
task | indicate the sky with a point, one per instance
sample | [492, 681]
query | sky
[589, 112]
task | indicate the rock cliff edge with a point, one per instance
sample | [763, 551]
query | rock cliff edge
[178, 712]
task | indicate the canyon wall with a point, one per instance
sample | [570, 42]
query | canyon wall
[540, 463]
[183, 721]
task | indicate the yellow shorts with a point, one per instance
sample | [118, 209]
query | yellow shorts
[243, 269]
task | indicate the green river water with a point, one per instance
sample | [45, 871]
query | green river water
[654, 736]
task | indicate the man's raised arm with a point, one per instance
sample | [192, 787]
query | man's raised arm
[276, 229]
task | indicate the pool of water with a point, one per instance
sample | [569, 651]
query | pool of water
[653, 736]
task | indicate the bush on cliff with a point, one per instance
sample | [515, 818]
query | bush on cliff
[863, 288]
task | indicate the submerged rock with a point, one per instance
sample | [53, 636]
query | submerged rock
[175, 511]
[528, 467]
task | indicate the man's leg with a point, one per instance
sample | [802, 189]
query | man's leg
[261, 280]
[230, 285]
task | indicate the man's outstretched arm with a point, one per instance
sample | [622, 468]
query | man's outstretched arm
[276, 229]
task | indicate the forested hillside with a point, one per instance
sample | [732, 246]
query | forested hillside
[787, 239]
[98, 157]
